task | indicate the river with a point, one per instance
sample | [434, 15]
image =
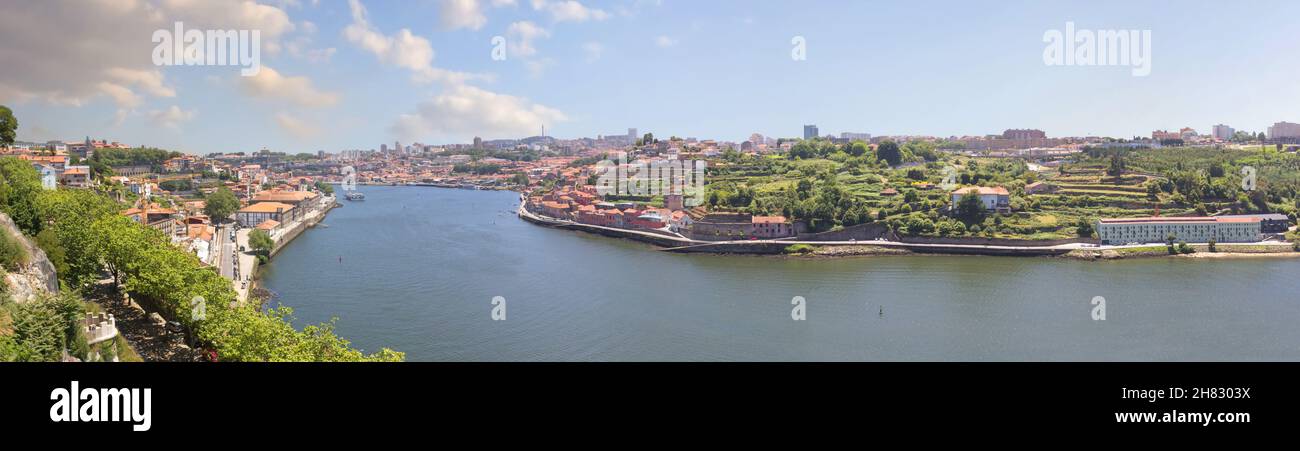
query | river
[416, 269]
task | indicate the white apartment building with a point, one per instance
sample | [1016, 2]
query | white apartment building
[1189, 229]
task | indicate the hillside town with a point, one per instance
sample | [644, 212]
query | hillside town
[275, 191]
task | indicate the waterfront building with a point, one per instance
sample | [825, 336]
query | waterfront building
[771, 227]
[731, 225]
[256, 214]
[1269, 222]
[306, 200]
[270, 226]
[994, 198]
[680, 221]
[1190, 229]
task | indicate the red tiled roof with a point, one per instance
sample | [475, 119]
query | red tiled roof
[1178, 220]
[983, 190]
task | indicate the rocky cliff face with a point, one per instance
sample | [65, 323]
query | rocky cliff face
[34, 278]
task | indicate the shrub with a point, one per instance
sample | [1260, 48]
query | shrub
[12, 253]
[799, 249]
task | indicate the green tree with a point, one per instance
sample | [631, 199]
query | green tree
[19, 187]
[8, 126]
[261, 242]
[970, 208]
[1084, 228]
[70, 214]
[857, 148]
[889, 152]
[1116, 167]
[126, 246]
[326, 188]
[221, 204]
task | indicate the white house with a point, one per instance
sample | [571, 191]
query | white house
[49, 177]
[996, 198]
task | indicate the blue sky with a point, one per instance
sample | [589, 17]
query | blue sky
[707, 69]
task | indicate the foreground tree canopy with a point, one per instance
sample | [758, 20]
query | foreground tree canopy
[86, 231]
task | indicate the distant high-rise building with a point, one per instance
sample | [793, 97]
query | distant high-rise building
[1283, 130]
[631, 134]
[1223, 132]
[383, 148]
[478, 142]
[1023, 135]
[810, 132]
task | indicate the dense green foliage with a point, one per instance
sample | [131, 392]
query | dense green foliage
[151, 157]
[177, 185]
[477, 168]
[221, 204]
[91, 238]
[19, 186]
[8, 126]
[325, 188]
[12, 253]
[40, 330]
[261, 242]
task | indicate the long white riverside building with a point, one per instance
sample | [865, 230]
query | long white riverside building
[1192, 230]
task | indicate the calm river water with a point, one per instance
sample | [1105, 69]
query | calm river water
[416, 269]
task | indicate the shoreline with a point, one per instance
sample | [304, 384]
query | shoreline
[859, 249]
[256, 281]
[832, 249]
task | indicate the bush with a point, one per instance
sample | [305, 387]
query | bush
[800, 249]
[12, 253]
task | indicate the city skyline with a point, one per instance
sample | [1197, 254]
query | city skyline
[349, 74]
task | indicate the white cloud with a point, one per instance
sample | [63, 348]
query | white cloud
[457, 14]
[298, 90]
[537, 67]
[500, 3]
[171, 117]
[296, 127]
[102, 48]
[569, 10]
[594, 51]
[665, 41]
[404, 50]
[465, 111]
[521, 36]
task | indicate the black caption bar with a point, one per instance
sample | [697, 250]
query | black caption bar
[200, 399]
